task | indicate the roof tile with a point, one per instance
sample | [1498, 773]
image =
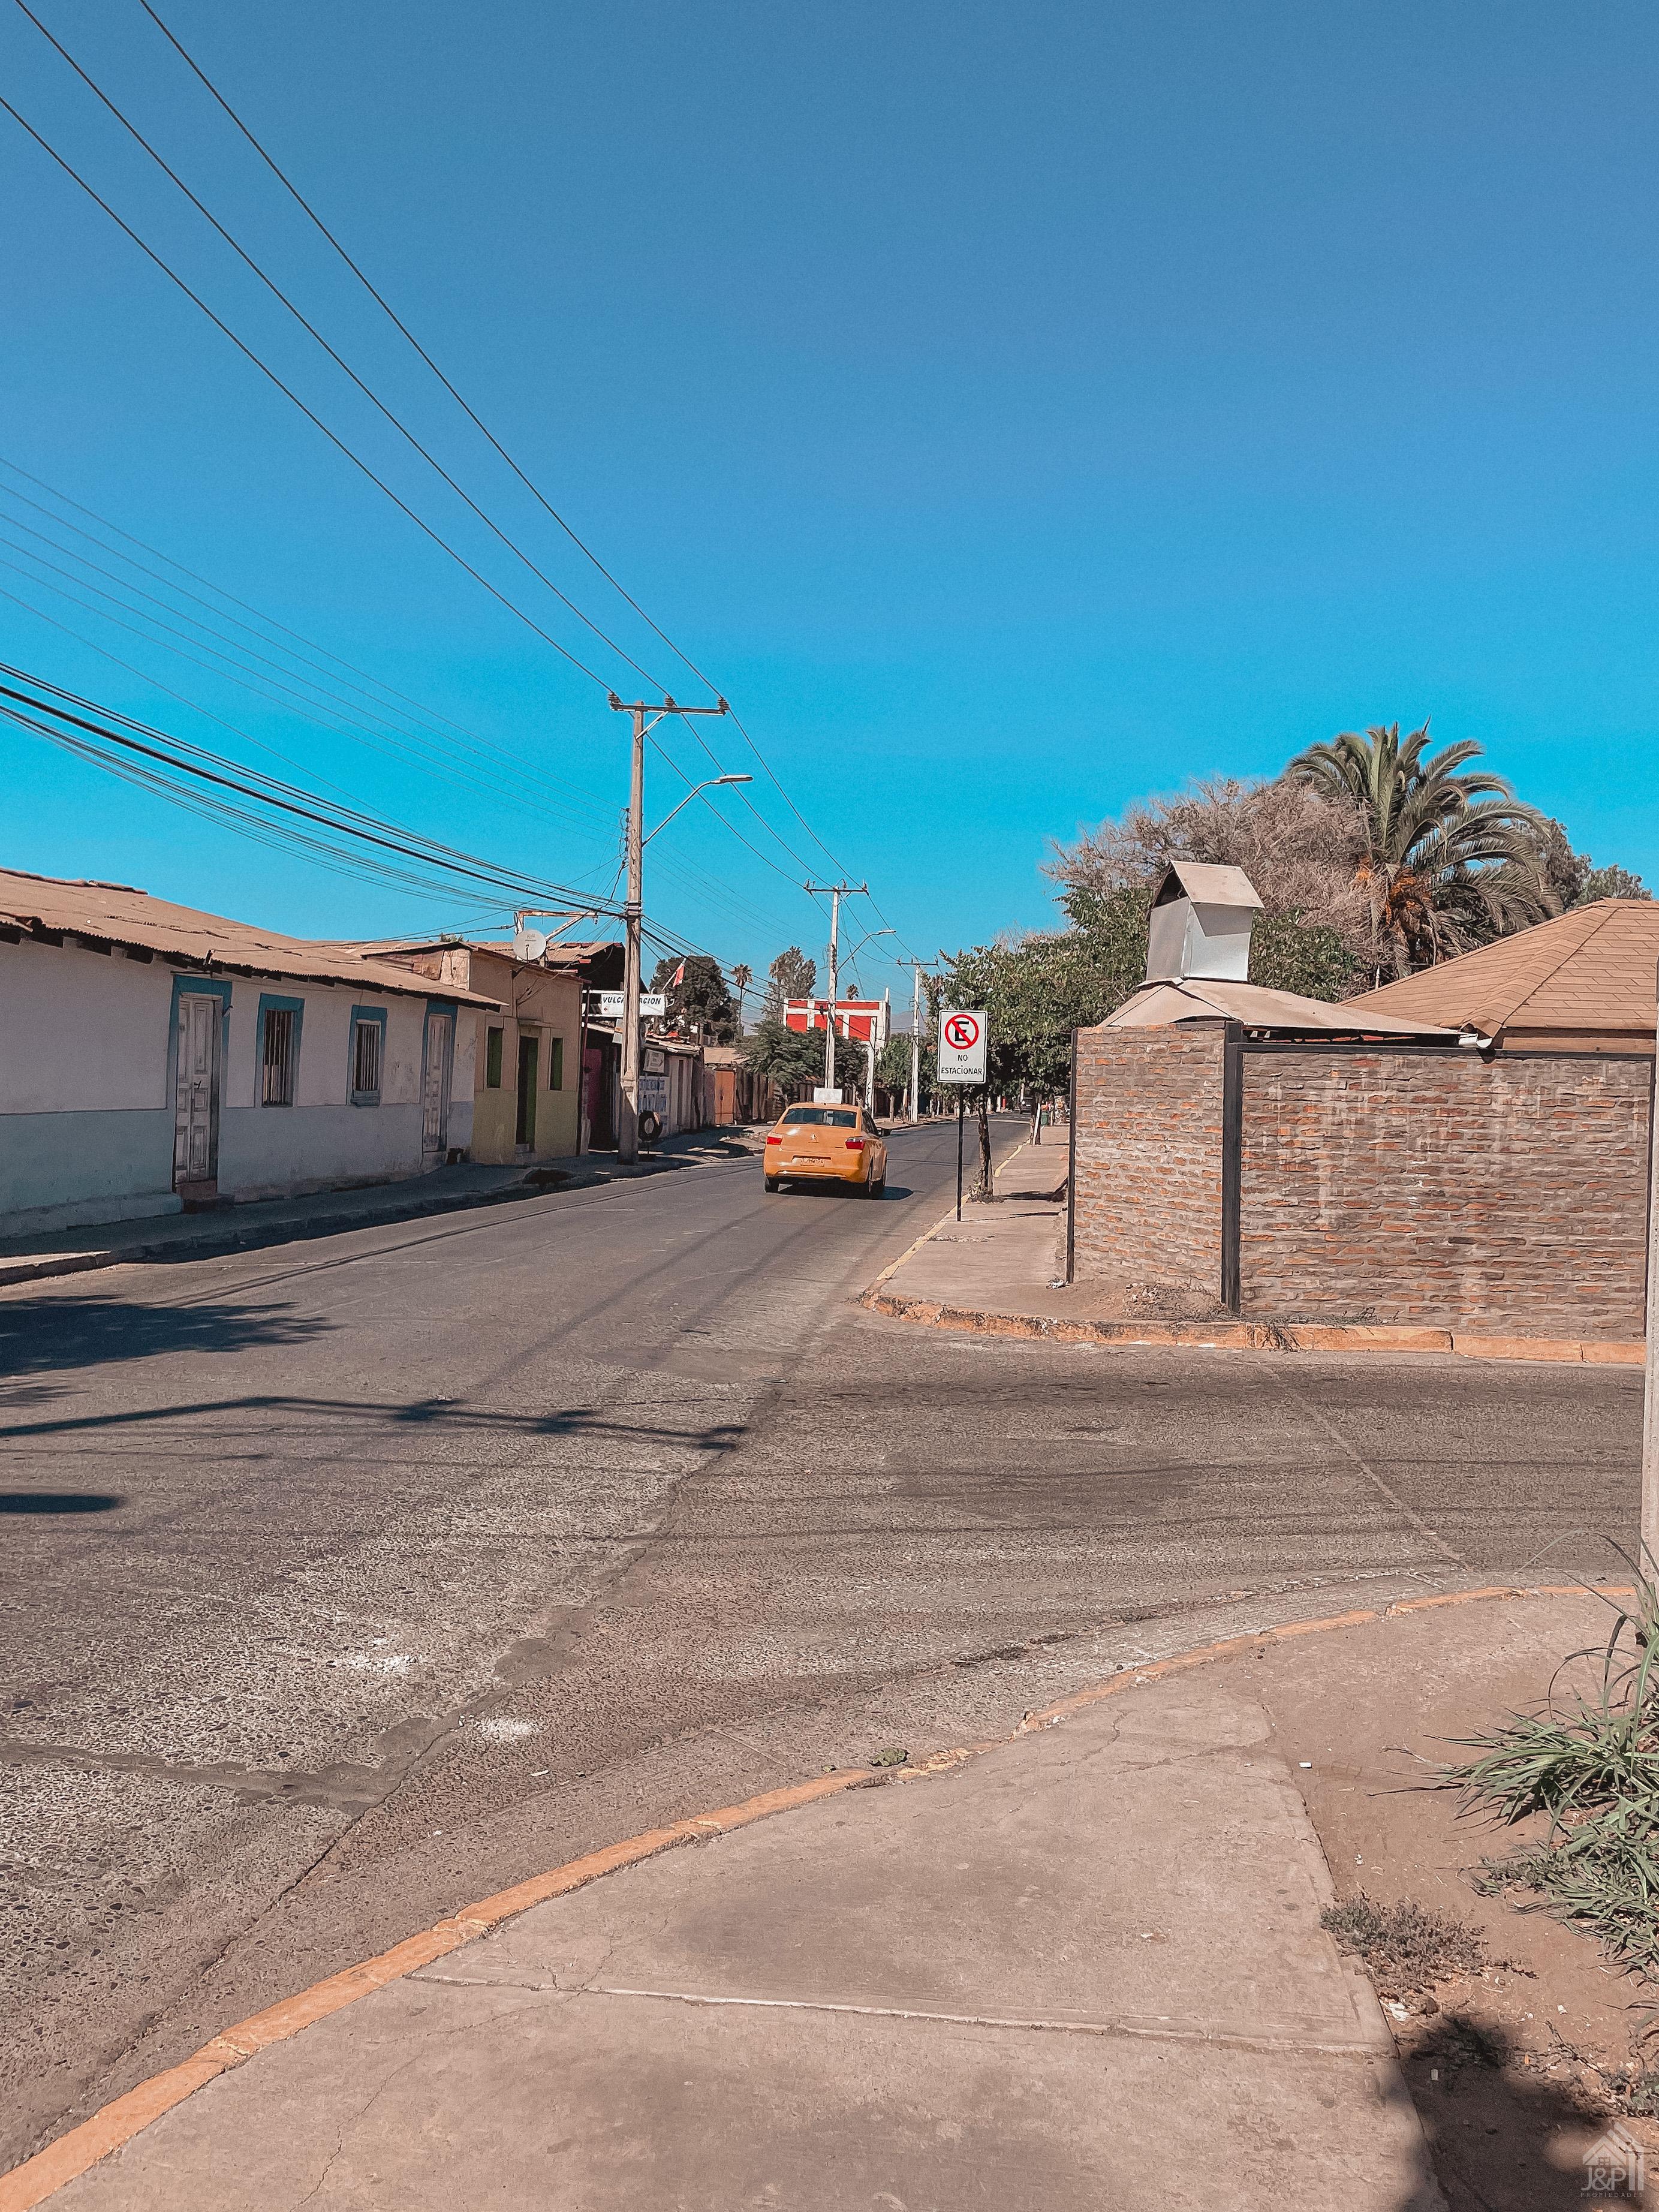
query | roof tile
[1591, 970]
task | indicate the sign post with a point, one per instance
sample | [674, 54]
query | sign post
[962, 1050]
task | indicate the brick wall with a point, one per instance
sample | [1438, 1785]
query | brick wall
[1437, 1188]
[1147, 1131]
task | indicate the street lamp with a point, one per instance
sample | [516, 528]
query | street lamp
[712, 784]
[645, 714]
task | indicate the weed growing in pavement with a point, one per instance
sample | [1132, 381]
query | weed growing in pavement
[1590, 1766]
[1404, 1947]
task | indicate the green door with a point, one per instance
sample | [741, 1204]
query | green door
[529, 1055]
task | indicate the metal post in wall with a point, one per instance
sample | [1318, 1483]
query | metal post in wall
[1071, 1172]
[1232, 1162]
[1649, 1555]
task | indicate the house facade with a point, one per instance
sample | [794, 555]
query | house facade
[530, 1095]
[154, 1057]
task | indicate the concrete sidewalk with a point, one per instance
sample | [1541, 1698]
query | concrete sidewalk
[1084, 1970]
[179, 1236]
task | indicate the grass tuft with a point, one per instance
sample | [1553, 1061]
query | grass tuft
[1404, 1947]
[1588, 1765]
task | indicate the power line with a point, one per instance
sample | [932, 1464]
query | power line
[694, 879]
[265, 370]
[340, 444]
[397, 321]
[180, 758]
[536, 492]
[270, 621]
[276, 293]
[435, 744]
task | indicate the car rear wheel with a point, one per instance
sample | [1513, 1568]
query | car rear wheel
[771, 1182]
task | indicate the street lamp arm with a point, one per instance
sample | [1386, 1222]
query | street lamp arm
[710, 785]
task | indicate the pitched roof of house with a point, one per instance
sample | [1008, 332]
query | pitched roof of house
[1157, 1005]
[596, 958]
[1589, 973]
[103, 914]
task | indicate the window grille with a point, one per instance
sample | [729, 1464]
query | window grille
[276, 1071]
[492, 1060]
[366, 1058]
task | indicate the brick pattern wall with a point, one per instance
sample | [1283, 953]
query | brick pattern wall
[1435, 1187]
[1147, 1131]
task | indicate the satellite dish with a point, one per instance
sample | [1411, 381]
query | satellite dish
[529, 945]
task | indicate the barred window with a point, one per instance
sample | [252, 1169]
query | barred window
[366, 1058]
[556, 1063]
[492, 1060]
[277, 1067]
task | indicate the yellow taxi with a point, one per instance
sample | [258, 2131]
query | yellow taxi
[827, 1144]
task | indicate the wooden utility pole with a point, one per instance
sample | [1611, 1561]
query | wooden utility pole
[628, 1106]
[836, 892]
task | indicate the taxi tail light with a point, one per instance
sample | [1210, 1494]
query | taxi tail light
[775, 1140]
[855, 1143]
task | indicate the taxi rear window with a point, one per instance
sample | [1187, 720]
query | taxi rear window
[822, 1117]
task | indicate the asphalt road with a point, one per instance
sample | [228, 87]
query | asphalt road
[344, 1583]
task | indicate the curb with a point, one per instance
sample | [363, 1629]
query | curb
[302, 1229]
[871, 1298]
[1247, 1335]
[116, 2124]
[243, 1237]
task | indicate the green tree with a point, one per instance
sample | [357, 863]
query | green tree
[1450, 857]
[791, 976]
[742, 977]
[893, 1067]
[1036, 991]
[793, 1059]
[700, 996]
[1307, 957]
[1610, 883]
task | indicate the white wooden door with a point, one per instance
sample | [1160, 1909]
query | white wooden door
[196, 1112]
[434, 1092]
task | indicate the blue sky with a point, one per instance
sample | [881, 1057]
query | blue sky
[1016, 411]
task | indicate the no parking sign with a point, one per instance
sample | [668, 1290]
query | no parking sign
[961, 1045]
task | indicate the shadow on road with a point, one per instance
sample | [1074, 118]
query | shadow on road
[340, 1414]
[1502, 2140]
[39, 1335]
[836, 1193]
[59, 1501]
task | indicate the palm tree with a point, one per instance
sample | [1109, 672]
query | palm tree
[1449, 857]
[743, 976]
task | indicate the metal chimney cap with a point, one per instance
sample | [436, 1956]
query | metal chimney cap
[1205, 885]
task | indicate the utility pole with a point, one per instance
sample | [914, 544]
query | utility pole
[915, 1035]
[628, 1112]
[836, 891]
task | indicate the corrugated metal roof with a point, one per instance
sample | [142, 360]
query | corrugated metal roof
[1155, 1006]
[1590, 972]
[116, 914]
